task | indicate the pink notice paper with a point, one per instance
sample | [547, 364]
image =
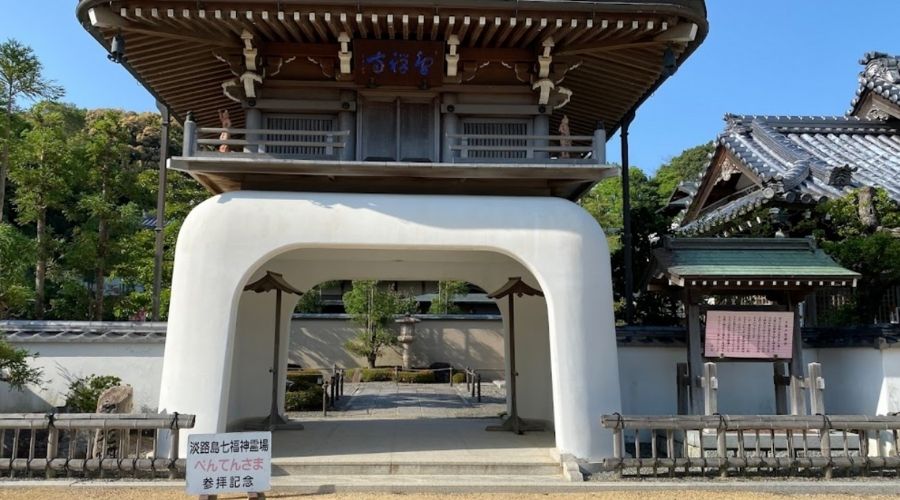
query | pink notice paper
[749, 334]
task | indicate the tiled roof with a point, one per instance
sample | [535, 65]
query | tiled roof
[83, 331]
[804, 159]
[683, 259]
[881, 76]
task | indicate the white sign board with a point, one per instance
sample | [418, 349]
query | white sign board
[229, 462]
[749, 334]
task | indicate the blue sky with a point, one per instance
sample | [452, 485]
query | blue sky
[786, 57]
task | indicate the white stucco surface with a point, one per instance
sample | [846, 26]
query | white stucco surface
[137, 364]
[214, 347]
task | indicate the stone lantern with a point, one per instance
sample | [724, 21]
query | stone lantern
[407, 336]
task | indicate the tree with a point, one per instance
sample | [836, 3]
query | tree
[42, 166]
[14, 369]
[17, 256]
[20, 76]
[445, 301]
[373, 308]
[873, 250]
[105, 208]
[686, 166]
[604, 202]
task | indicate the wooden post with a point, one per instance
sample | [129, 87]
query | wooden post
[276, 358]
[254, 121]
[52, 445]
[683, 385]
[695, 357]
[618, 448]
[189, 143]
[710, 389]
[172, 455]
[451, 376]
[816, 386]
[798, 401]
[514, 411]
[599, 144]
[779, 374]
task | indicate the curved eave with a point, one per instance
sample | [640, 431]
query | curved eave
[183, 75]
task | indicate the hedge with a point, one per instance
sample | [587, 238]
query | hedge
[371, 374]
[422, 377]
[303, 379]
[307, 399]
[459, 378]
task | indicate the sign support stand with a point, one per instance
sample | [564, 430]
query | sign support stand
[513, 423]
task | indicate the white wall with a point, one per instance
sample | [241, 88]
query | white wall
[476, 343]
[858, 380]
[137, 364]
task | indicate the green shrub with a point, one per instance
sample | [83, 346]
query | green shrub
[371, 374]
[85, 391]
[422, 377]
[459, 378]
[303, 379]
[305, 400]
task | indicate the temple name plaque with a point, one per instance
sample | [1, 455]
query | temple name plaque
[749, 334]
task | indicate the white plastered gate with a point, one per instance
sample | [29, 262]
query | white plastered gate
[219, 341]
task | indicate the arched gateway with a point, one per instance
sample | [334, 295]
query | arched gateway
[453, 137]
[228, 241]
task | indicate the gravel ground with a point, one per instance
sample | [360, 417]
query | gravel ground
[82, 493]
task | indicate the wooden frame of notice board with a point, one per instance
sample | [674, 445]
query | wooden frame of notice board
[787, 368]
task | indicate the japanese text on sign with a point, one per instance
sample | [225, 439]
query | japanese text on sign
[749, 334]
[229, 462]
[396, 62]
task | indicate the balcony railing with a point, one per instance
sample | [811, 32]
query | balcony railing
[335, 145]
[508, 148]
[305, 144]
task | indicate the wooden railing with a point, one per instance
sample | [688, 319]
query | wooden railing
[764, 444]
[215, 141]
[528, 148]
[82, 444]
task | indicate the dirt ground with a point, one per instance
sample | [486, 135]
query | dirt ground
[82, 493]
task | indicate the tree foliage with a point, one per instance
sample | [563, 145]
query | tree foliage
[445, 300]
[20, 77]
[687, 166]
[85, 392]
[373, 308]
[14, 369]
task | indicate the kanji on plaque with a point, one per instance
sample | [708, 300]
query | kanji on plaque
[749, 334]
[229, 462]
[398, 62]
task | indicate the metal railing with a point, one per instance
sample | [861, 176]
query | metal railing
[332, 389]
[765, 444]
[81, 444]
[514, 148]
[473, 384]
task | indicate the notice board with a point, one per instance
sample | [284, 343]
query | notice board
[749, 334]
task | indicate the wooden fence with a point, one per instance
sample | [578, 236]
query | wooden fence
[761, 444]
[87, 444]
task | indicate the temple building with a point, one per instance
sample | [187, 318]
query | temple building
[784, 165]
[396, 140]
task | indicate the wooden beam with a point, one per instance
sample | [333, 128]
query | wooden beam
[300, 49]
[598, 48]
[682, 33]
[506, 55]
[104, 18]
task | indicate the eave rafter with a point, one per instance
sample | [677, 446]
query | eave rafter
[173, 45]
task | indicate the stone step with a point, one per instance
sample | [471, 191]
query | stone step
[288, 467]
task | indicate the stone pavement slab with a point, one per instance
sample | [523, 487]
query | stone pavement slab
[390, 400]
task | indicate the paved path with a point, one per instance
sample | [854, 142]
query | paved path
[389, 400]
